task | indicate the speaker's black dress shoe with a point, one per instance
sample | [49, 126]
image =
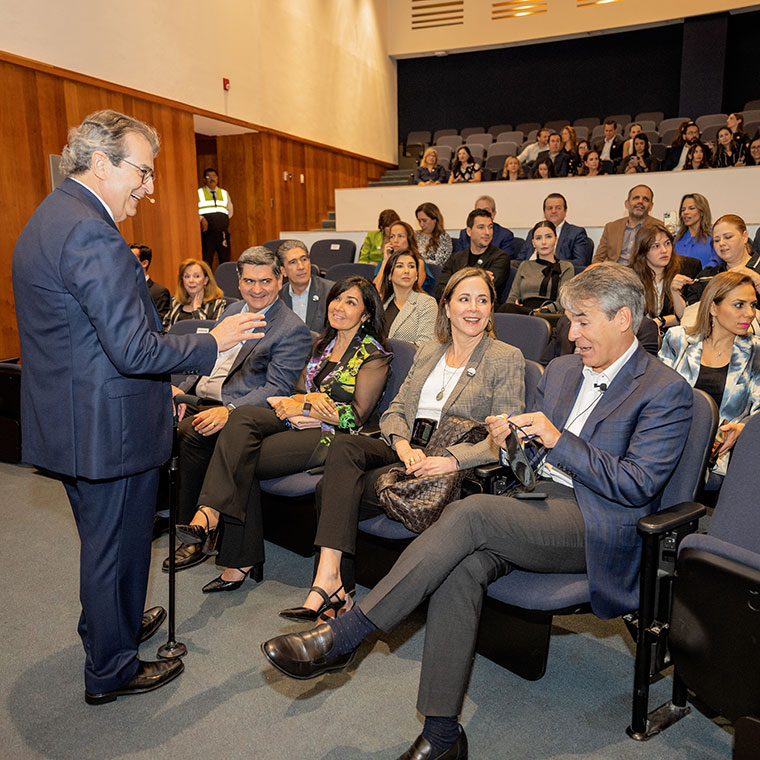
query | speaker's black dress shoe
[421, 749]
[160, 526]
[149, 676]
[152, 620]
[305, 655]
[187, 555]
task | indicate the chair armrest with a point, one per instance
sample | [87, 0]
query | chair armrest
[487, 470]
[671, 518]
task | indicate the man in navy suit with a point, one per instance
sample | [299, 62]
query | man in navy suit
[96, 403]
[612, 420]
[302, 291]
[244, 376]
[559, 156]
[573, 244]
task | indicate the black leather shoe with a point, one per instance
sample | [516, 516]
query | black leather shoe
[304, 655]
[186, 555]
[197, 534]
[421, 749]
[160, 526]
[219, 584]
[149, 676]
[151, 621]
[331, 603]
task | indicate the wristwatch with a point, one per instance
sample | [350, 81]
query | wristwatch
[306, 411]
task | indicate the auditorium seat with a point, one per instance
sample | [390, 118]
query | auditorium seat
[672, 123]
[479, 138]
[711, 120]
[528, 126]
[655, 116]
[450, 141]
[587, 121]
[511, 136]
[443, 133]
[557, 124]
[326, 253]
[467, 131]
[497, 129]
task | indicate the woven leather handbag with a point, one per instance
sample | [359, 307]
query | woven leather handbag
[418, 502]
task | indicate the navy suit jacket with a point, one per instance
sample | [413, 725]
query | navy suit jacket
[96, 400]
[561, 162]
[502, 238]
[268, 366]
[620, 463]
[316, 310]
[573, 246]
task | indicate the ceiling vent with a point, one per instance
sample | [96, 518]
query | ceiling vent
[429, 15]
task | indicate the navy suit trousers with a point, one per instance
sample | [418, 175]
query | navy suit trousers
[115, 523]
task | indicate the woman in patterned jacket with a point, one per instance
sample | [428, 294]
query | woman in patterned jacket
[338, 391]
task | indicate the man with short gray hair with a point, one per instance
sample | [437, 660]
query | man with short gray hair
[611, 423]
[303, 292]
[96, 404]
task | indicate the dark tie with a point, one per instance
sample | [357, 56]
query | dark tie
[213, 195]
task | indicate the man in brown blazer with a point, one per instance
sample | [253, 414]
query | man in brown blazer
[618, 236]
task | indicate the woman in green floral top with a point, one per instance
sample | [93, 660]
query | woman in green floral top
[338, 391]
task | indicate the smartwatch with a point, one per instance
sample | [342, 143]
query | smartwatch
[306, 411]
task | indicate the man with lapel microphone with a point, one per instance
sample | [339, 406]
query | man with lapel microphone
[96, 401]
[245, 375]
[612, 421]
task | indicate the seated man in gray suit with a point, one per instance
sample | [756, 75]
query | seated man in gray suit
[612, 421]
[303, 292]
[244, 375]
[573, 243]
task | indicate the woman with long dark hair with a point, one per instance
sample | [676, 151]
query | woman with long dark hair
[338, 391]
[402, 239]
[654, 261]
[409, 313]
[464, 168]
[433, 242]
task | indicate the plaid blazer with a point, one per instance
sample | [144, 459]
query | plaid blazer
[619, 463]
[492, 383]
[415, 322]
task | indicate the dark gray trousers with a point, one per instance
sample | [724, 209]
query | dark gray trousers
[475, 541]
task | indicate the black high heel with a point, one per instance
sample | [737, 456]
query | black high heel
[332, 603]
[219, 584]
[197, 534]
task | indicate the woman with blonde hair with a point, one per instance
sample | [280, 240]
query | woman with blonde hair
[693, 237]
[464, 373]
[430, 172]
[512, 170]
[720, 356]
[197, 295]
[433, 242]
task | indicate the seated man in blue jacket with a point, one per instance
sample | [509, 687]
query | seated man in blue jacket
[612, 420]
[502, 237]
[573, 243]
[244, 375]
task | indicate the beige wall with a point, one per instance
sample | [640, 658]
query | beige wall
[591, 201]
[563, 18]
[316, 69]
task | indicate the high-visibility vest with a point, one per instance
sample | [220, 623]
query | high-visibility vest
[207, 205]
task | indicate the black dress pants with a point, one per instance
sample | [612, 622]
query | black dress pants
[254, 445]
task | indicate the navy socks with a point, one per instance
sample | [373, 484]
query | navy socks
[441, 733]
[349, 630]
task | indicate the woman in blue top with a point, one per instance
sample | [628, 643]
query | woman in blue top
[693, 237]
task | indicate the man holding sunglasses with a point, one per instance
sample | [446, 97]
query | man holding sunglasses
[611, 421]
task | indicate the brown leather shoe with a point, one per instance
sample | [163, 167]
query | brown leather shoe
[186, 555]
[421, 750]
[149, 676]
[305, 655]
[152, 620]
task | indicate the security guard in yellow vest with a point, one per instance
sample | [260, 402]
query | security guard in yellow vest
[215, 209]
